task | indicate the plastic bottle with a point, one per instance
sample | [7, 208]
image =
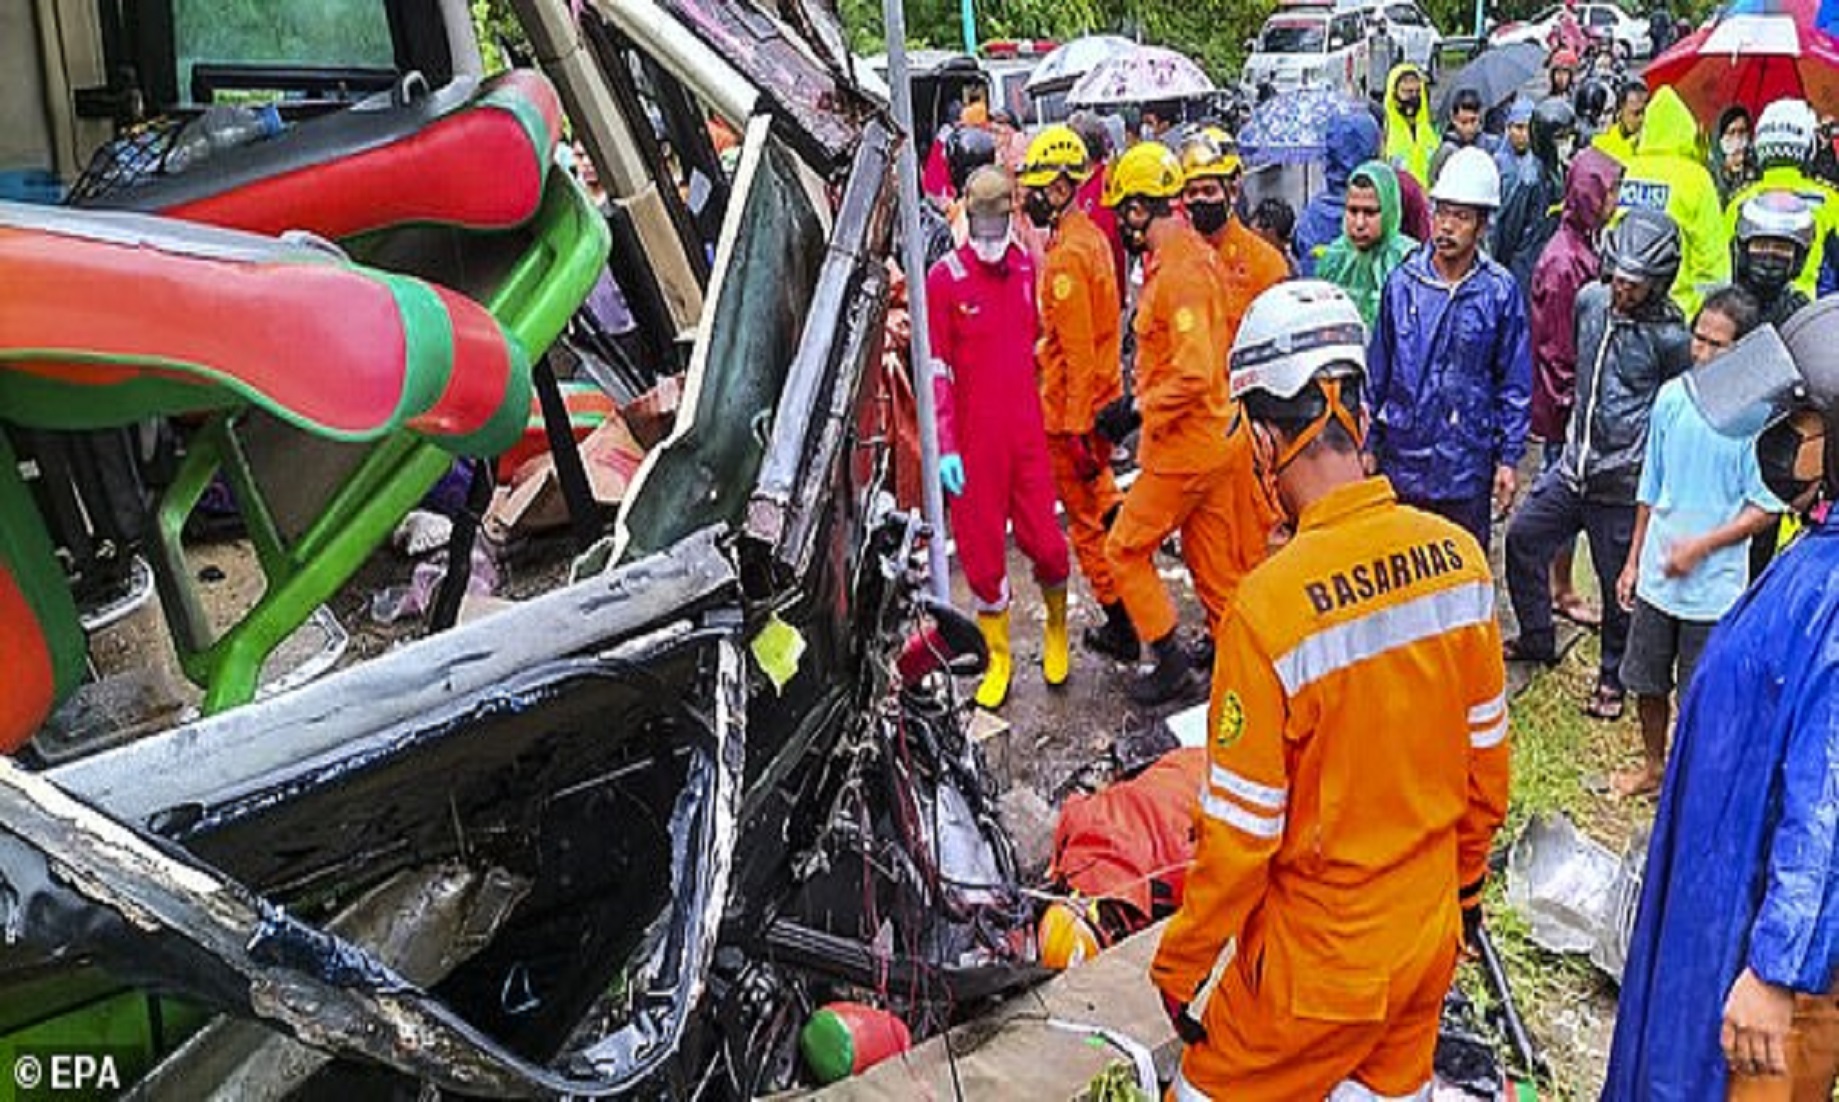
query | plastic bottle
[221, 127]
[843, 1039]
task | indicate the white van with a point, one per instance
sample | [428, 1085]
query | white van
[1311, 46]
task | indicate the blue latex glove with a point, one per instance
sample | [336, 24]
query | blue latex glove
[951, 474]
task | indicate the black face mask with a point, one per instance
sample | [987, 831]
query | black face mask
[1767, 275]
[1409, 107]
[1135, 240]
[1776, 451]
[1039, 209]
[1209, 217]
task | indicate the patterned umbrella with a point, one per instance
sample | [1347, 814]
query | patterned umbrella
[1293, 128]
[1144, 75]
[1757, 51]
[1077, 58]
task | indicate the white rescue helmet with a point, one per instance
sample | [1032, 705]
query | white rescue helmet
[1293, 332]
[1469, 178]
[1786, 133]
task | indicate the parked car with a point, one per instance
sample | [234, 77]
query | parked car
[1311, 46]
[1601, 22]
[1415, 38]
[614, 836]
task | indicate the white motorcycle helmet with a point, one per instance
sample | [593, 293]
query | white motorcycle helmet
[1786, 133]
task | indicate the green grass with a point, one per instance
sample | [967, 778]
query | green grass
[1561, 763]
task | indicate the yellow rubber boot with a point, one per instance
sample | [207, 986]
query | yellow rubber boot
[995, 687]
[1054, 646]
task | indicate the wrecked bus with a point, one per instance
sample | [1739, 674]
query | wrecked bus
[618, 826]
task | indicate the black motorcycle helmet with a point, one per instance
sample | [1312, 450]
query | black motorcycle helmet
[1643, 245]
[967, 149]
[1552, 120]
[1595, 99]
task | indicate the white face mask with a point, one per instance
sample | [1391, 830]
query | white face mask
[1566, 147]
[990, 250]
[1733, 144]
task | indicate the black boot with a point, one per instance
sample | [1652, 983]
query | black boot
[1200, 655]
[1117, 638]
[1171, 677]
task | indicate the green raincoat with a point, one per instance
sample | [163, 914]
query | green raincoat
[1362, 272]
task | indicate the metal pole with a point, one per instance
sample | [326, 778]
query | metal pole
[906, 170]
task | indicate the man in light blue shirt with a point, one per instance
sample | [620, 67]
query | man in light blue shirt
[1700, 501]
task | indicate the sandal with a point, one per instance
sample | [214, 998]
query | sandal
[1635, 784]
[1515, 651]
[1606, 702]
[1578, 611]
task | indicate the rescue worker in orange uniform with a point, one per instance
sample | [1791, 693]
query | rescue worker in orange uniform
[1079, 356]
[1195, 471]
[1211, 173]
[1358, 754]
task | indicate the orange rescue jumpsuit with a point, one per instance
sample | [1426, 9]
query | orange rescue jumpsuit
[1252, 267]
[1358, 744]
[1080, 361]
[1195, 461]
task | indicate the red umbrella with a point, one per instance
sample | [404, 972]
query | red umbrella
[1754, 53]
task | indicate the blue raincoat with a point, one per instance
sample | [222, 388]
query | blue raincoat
[1449, 377]
[1352, 139]
[1740, 870]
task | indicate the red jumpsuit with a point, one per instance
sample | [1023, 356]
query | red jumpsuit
[982, 322]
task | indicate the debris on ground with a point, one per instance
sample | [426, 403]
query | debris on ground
[1575, 893]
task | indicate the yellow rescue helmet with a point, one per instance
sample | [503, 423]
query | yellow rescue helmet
[1210, 152]
[1056, 151]
[1147, 170]
[1065, 937]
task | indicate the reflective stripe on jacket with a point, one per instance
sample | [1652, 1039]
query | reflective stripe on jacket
[1358, 748]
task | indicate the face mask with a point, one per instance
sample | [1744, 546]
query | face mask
[1777, 452]
[1409, 107]
[1567, 147]
[1734, 145]
[1209, 218]
[990, 250]
[1147, 132]
[1769, 274]
[1039, 209]
[1135, 240]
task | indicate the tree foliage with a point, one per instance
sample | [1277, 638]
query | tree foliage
[1213, 32]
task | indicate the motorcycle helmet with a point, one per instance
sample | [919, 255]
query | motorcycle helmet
[967, 149]
[1643, 245]
[1778, 215]
[1552, 122]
